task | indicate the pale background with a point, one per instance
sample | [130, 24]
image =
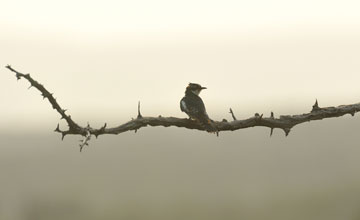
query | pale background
[101, 57]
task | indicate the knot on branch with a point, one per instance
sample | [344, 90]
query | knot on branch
[353, 113]
[258, 117]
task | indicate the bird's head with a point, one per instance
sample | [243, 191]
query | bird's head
[194, 88]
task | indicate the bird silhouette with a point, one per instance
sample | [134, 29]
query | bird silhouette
[194, 107]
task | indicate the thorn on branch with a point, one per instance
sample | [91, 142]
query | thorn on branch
[271, 131]
[315, 107]
[139, 113]
[287, 131]
[63, 135]
[101, 130]
[232, 114]
[57, 129]
[272, 115]
[103, 127]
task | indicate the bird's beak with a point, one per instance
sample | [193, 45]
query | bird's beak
[203, 88]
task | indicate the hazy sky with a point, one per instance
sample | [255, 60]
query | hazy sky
[101, 57]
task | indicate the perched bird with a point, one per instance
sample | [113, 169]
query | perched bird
[194, 107]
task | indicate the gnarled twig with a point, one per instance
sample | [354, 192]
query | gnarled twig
[284, 122]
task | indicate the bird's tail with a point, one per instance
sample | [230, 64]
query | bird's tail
[208, 124]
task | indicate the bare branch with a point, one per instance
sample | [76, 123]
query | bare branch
[85, 141]
[73, 127]
[284, 122]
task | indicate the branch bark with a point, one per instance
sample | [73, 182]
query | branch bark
[284, 122]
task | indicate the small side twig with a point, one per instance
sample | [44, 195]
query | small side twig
[232, 114]
[85, 140]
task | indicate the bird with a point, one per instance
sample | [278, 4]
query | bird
[194, 107]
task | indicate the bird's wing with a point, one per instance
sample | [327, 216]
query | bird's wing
[192, 106]
[183, 106]
[195, 108]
